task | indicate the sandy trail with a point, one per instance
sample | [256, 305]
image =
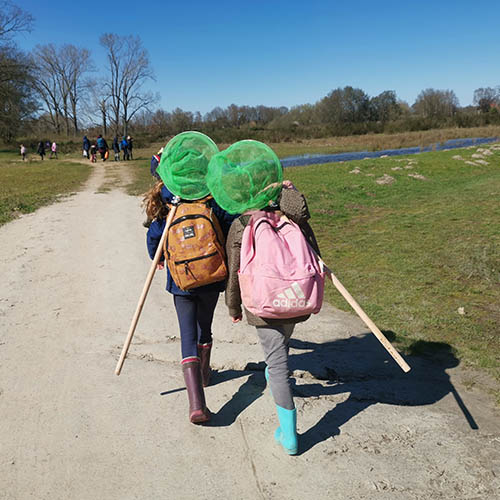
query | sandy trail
[71, 274]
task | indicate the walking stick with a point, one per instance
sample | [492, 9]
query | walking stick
[368, 322]
[145, 291]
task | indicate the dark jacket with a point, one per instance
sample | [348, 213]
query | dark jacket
[155, 162]
[293, 205]
[86, 143]
[155, 232]
[116, 145]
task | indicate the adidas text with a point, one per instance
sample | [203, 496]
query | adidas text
[292, 298]
[290, 303]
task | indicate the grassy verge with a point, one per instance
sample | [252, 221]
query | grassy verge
[421, 254]
[24, 187]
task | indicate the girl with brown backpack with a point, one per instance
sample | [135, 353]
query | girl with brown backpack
[194, 252]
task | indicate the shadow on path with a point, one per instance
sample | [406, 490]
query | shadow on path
[361, 367]
[251, 390]
[358, 366]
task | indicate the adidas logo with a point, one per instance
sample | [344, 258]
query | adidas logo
[292, 298]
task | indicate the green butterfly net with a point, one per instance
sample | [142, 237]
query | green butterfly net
[184, 162]
[245, 176]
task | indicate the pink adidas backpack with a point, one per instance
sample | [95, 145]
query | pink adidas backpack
[279, 273]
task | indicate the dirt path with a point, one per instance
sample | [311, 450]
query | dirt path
[70, 429]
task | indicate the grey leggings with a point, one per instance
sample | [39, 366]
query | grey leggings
[274, 341]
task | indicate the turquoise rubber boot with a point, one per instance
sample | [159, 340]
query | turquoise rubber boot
[286, 433]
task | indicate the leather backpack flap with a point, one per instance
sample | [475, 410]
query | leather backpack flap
[194, 247]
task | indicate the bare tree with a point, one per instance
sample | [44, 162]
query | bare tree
[46, 83]
[60, 82]
[74, 62]
[13, 20]
[129, 70]
[98, 100]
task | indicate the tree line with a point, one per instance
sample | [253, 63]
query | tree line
[344, 111]
[57, 89]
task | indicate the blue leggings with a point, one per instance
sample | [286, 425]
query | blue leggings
[195, 314]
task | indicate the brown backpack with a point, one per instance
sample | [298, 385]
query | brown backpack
[194, 246]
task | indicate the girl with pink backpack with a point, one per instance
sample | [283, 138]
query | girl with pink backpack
[272, 264]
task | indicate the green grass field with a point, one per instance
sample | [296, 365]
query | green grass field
[26, 186]
[422, 256]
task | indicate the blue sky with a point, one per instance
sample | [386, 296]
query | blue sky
[284, 53]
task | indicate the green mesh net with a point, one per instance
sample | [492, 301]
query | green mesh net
[184, 162]
[245, 176]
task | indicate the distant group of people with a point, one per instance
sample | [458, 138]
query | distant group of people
[125, 146]
[90, 150]
[43, 147]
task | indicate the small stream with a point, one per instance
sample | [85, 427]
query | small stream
[315, 159]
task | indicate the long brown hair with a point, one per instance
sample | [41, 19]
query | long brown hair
[153, 204]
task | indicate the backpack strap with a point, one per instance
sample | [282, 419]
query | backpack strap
[260, 216]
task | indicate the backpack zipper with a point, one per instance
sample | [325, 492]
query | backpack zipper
[187, 261]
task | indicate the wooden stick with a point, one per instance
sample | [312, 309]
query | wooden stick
[145, 291]
[368, 322]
